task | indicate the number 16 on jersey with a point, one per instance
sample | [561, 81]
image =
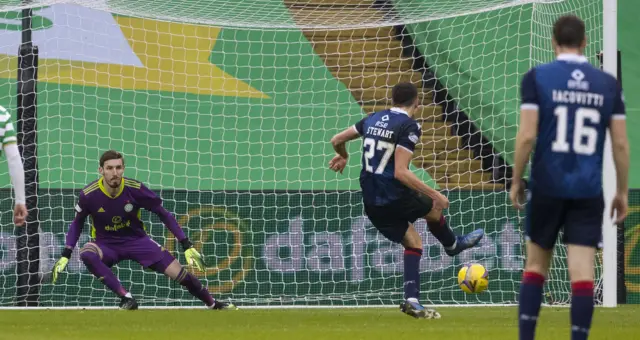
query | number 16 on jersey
[584, 138]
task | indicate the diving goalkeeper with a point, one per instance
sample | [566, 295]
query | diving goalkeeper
[114, 204]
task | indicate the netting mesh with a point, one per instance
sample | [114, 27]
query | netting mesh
[225, 108]
[316, 14]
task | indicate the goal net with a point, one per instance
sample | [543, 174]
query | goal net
[225, 109]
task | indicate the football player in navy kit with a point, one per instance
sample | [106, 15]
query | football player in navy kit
[393, 196]
[567, 107]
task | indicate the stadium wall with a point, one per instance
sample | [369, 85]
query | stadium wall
[481, 64]
[272, 248]
[632, 248]
[628, 28]
[244, 110]
[252, 239]
[480, 58]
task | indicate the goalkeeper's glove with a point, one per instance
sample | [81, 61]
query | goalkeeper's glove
[61, 264]
[193, 257]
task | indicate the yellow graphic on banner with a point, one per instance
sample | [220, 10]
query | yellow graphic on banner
[632, 241]
[175, 58]
[217, 219]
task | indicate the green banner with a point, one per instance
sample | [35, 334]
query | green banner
[284, 248]
[632, 248]
[301, 248]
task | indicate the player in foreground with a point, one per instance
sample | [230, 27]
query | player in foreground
[114, 204]
[394, 198]
[567, 105]
[14, 161]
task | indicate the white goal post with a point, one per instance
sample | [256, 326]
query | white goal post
[609, 230]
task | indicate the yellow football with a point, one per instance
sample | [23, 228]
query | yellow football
[473, 278]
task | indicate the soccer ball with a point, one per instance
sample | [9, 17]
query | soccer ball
[473, 278]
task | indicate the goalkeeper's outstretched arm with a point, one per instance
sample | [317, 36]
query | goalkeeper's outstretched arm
[151, 202]
[75, 229]
[73, 235]
[169, 221]
[190, 253]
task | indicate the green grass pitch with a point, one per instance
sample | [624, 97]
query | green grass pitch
[485, 323]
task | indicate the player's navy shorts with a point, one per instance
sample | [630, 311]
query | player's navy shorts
[143, 250]
[392, 220]
[579, 219]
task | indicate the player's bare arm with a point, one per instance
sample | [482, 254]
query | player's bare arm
[620, 150]
[14, 162]
[402, 173]
[525, 139]
[339, 141]
[16, 171]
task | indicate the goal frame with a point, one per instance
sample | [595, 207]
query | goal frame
[609, 229]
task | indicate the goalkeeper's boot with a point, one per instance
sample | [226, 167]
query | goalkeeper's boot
[465, 242]
[128, 303]
[223, 305]
[413, 308]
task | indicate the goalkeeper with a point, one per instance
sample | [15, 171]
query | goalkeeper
[114, 204]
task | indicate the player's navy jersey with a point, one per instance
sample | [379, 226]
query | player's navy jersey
[117, 217]
[382, 133]
[575, 103]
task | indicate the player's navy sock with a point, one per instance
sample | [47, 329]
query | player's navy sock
[442, 232]
[581, 309]
[412, 272]
[194, 287]
[530, 300]
[96, 267]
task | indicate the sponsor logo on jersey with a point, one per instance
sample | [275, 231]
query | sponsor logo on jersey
[117, 224]
[578, 82]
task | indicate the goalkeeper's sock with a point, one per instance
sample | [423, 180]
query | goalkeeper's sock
[442, 232]
[412, 272]
[581, 309]
[194, 287]
[530, 300]
[96, 267]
